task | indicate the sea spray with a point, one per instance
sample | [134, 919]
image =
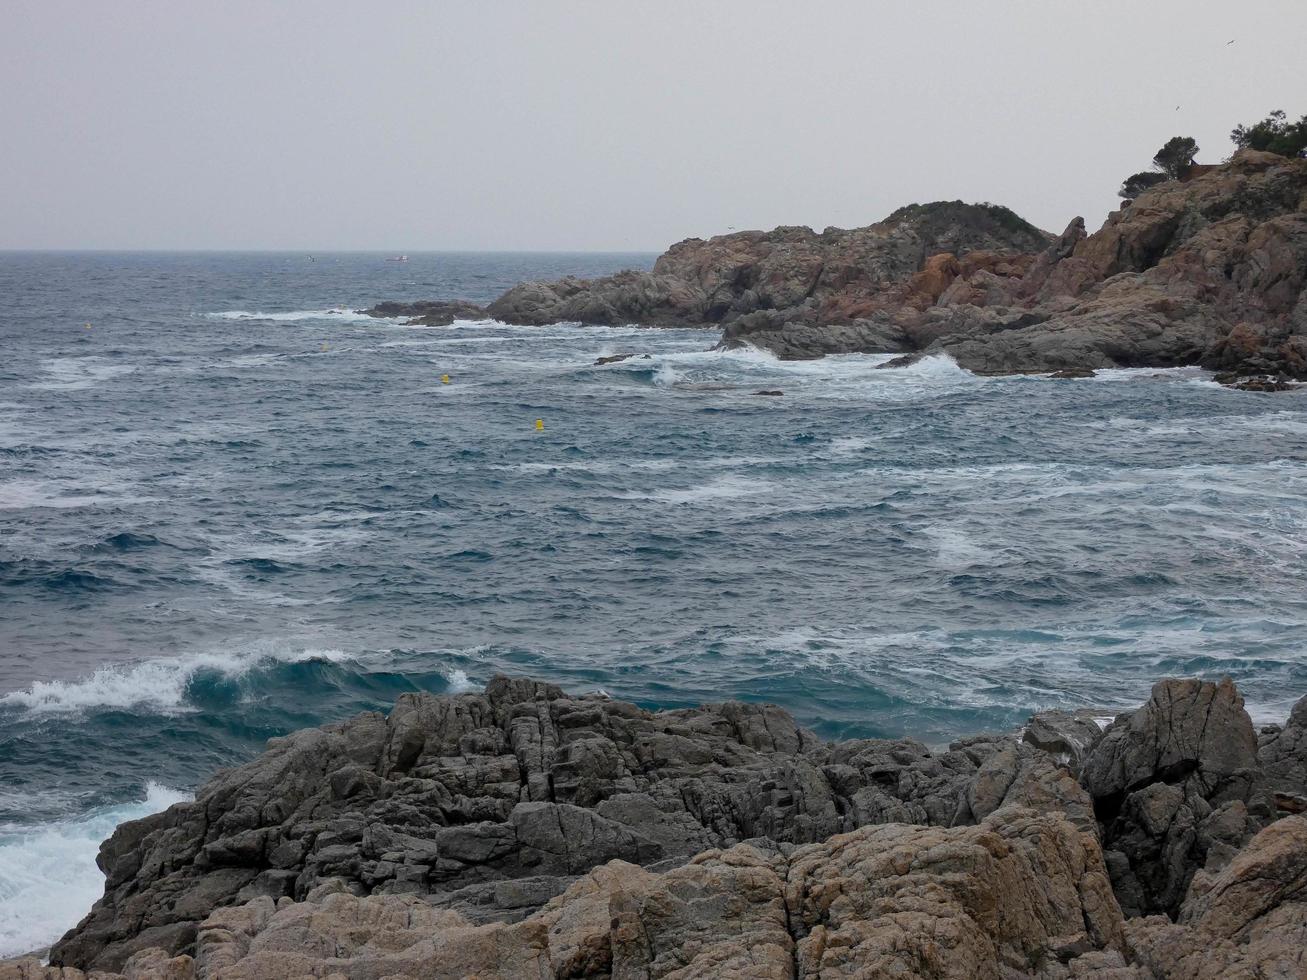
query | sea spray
[48, 875]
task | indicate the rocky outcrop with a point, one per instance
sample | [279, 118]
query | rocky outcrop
[1177, 787]
[429, 313]
[525, 832]
[1207, 271]
[760, 284]
[1210, 271]
[1282, 756]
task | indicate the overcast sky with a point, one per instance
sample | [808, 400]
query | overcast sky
[600, 125]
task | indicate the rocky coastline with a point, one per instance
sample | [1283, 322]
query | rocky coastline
[1208, 271]
[526, 832]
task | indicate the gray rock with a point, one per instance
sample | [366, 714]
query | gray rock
[430, 313]
[1176, 788]
[1064, 734]
[1283, 758]
[455, 798]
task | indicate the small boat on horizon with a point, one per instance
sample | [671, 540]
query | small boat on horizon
[398, 258]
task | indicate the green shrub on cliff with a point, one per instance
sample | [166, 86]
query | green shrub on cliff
[937, 216]
[1136, 184]
[1274, 134]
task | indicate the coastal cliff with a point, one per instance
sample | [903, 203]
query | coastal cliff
[1208, 271]
[526, 832]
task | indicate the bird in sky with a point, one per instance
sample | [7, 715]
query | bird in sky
[1228, 43]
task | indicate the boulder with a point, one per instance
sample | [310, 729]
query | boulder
[1176, 788]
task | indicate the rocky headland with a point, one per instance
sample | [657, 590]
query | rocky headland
[1210, 271]
[525, 832]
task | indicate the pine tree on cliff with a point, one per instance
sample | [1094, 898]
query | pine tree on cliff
[1171, 162]
[1176, 157]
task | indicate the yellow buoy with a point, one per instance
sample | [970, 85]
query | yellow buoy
[540, 425]
[88, 326]
[444, 379]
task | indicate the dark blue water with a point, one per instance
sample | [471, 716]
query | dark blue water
[231, 507]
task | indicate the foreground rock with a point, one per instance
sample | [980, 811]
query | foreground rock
[493, 803]
[1022, 894]
[523, 832]
[1250, 920]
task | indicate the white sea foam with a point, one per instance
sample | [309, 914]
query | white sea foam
[48, 876]
[956, 549]
[21, 494]
[154, 685]
[848, 445]
[337, 314]
[69, 373]
[729, 486]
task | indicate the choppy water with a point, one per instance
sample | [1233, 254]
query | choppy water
[229, 509]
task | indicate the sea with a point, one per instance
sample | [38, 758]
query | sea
[232, 506]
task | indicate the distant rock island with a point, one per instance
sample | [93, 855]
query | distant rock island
[1208, 270]
[525, 832]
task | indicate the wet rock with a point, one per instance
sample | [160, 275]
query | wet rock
[1073, 373]
[1264, 383]
[774, 393]
[612, 359]
[429, 313]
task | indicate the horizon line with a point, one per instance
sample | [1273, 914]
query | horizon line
[335, 251]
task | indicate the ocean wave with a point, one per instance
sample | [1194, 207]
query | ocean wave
[161, 686]
[48, 875]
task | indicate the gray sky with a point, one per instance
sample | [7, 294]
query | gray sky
[600, 125]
